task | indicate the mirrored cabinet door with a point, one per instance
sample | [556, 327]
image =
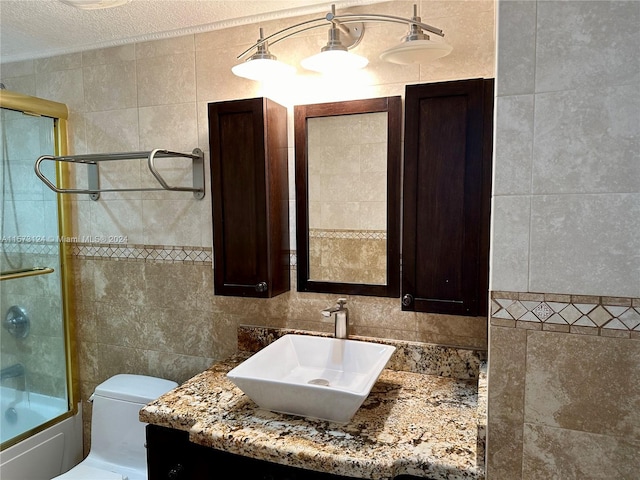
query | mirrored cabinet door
[348, 196]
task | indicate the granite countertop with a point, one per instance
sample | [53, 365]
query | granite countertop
[411, 423]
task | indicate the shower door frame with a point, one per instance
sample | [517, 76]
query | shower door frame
[60, 114]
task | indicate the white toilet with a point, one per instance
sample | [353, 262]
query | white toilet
[117, 436]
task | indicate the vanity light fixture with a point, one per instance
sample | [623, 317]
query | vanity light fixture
[345, 32]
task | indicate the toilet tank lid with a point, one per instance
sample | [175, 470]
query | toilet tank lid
[134, 388]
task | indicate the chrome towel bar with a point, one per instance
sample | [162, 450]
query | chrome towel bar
[93, 159]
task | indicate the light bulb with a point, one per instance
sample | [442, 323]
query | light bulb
[261, 69]
[334, 61]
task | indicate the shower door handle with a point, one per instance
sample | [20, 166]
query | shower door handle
[25, 272]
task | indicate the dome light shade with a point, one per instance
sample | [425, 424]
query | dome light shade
[334, 56]
[416, 51]
[334, 61]
[261, 69]
[262, 65]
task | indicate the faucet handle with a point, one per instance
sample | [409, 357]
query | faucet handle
[327, 312]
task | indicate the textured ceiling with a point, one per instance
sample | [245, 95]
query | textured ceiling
[42, 28]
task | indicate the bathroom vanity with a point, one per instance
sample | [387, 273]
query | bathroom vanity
[419, 421]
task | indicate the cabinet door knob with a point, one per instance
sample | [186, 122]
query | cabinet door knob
[407, 300]
[176, 473]
[261, 287]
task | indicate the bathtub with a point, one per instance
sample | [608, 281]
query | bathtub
[47, 453]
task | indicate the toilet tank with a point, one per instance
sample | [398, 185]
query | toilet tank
[117, 435]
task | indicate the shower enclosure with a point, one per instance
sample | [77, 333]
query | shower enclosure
[35, 360]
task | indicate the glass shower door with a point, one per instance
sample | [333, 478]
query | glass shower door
[33, 363]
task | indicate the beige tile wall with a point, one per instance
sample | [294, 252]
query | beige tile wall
[153, 301]
[564, 392]
[348, 256]
[566, 196]
[565, 271]
[562, 405]
[347, 166]
[155, 316]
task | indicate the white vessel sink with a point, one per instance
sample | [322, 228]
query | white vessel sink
[318, 377]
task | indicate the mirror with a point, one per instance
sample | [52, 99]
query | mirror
[348, 196]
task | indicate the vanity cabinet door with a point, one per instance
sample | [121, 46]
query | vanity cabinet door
[170, 456]
[446, 197]
[250, 198]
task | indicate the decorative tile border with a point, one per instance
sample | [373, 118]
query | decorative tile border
[350, 234]
[150, 253]
[144, 253]
[118, 251]
[31, 248]
[117, 248]
[580, 314]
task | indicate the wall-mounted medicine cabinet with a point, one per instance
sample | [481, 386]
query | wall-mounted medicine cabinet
[348, 159]
[446, 197]
[250, 199]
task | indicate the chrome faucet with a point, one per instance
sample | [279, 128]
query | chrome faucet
[341, 318]
[12, 371]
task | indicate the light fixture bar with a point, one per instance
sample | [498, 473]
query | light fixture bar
[273, 37]
[416, 45]
[373, 17]
[345, 18]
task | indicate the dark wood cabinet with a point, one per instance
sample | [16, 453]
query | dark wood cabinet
[170, 456]
[250, 199]
[446, 197]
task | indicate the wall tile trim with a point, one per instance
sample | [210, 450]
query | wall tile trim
[144, 253]
[579, 314]
[30, 247]
[355, 234]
